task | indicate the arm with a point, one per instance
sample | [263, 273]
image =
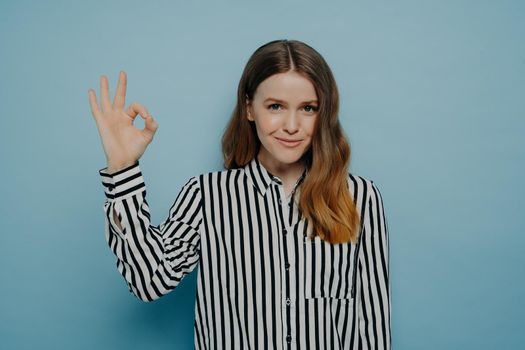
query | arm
[374, 300]
[152, 259]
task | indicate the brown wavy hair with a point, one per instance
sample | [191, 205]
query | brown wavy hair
[325, 199]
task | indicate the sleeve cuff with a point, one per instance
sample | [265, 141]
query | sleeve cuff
[123, 183]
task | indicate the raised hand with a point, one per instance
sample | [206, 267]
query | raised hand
[123, 143]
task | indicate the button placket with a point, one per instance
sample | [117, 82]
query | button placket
[284, 208]
[288, 302]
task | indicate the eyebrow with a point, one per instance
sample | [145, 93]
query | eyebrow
[281, 101]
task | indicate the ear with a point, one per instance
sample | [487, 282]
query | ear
[249, 112]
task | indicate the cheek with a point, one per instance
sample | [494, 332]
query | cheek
[309, 127]
[267, 124]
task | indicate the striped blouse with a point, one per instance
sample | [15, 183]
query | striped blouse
[262, 282]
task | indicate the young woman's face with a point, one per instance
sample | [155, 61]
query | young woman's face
[284, 109]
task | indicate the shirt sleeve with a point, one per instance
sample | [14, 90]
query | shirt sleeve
[152, 259]
[374, 300]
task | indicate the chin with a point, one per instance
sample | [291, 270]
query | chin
[288, 158]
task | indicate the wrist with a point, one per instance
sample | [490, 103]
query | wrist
[119, 166]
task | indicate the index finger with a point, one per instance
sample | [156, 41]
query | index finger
[120, 95]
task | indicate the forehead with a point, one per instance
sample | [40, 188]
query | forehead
[289, 86]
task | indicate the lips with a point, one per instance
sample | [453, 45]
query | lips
[289, 142]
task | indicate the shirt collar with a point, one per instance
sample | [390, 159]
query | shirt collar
[261, 178]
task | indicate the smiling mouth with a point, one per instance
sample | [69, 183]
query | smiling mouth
[289, 143]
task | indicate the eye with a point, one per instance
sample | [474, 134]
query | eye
[272, 105]
[313, 108]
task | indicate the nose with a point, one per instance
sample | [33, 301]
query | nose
[291, 124]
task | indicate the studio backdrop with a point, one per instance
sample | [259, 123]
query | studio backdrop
[432, 102]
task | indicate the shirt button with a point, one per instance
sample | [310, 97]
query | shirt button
[288, 301]
[280, 201]
[287, 265]
[288, 338]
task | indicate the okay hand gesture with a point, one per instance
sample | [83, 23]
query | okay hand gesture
[123, 143]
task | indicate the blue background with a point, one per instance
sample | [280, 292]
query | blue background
[432, 100]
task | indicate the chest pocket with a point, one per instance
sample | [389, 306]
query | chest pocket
[329, 269]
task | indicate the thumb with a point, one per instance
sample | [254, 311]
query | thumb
[150, 127]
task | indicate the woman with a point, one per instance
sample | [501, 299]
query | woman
[293, 249]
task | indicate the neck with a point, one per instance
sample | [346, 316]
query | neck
[288, 173]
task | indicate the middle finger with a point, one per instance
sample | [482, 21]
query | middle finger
[120, 95]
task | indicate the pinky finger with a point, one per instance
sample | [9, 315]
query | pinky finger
[95, 110]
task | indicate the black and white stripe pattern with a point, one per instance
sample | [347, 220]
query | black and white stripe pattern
[262, 283]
